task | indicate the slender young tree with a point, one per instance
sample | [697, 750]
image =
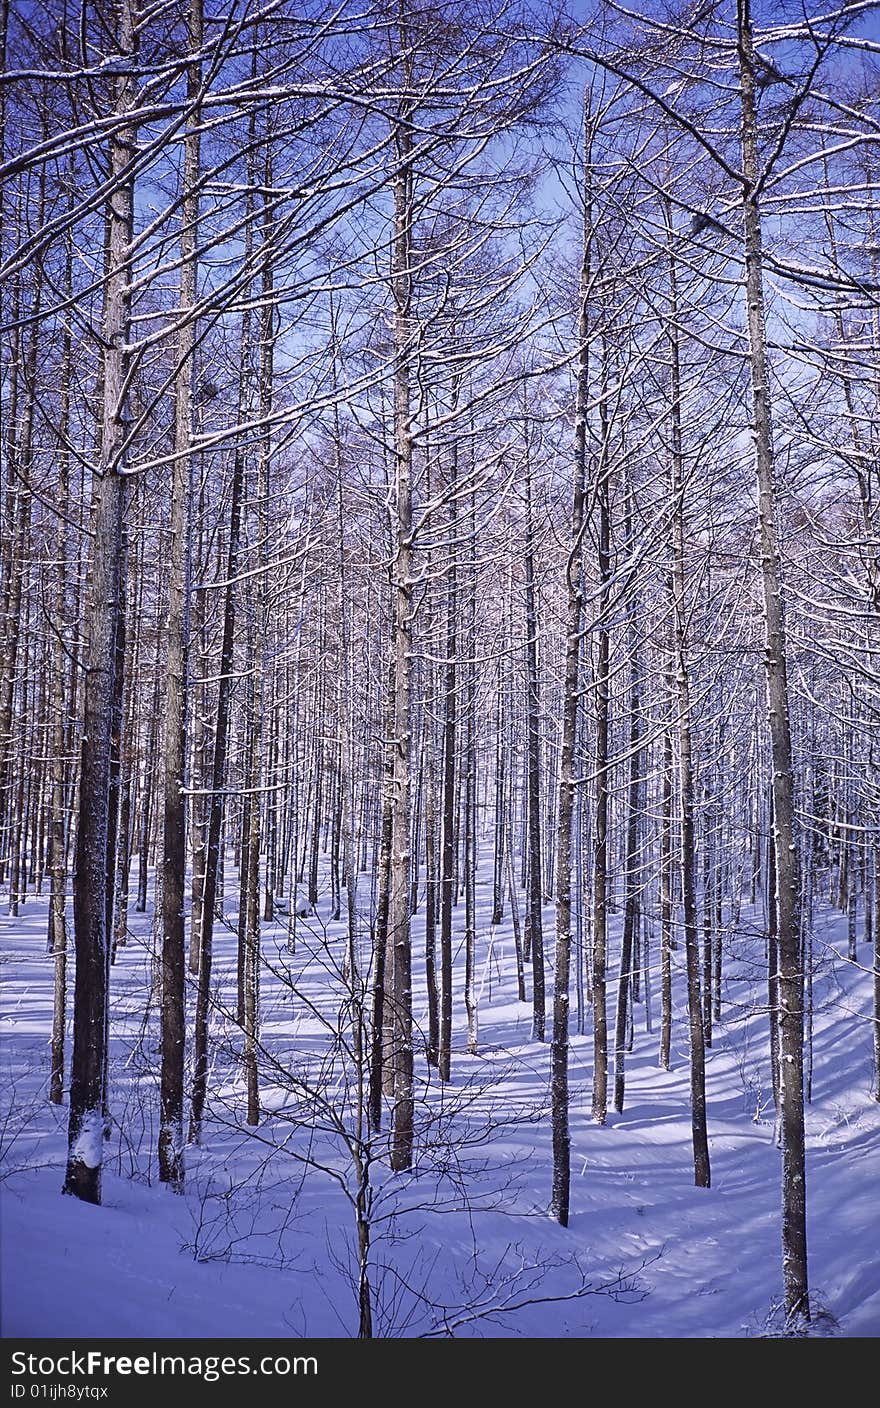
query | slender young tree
[602, 755]
[785, 834]
[450, 739]
[57, 847]
[171, 1140]
[399, 933]
[571, 699]
[702, 1172]
[535, 874]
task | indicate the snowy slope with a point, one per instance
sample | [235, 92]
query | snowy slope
[262, 1243]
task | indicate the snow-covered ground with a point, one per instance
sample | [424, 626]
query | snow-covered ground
[262, 1243]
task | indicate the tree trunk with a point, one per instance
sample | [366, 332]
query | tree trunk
[94, 862]
[450, 737]
[603, 715]
[667, 940]
[383, 957]
[58, 783]
[535, 929]
[401, 818]
[785, 837]
[629, 949]
[702, 1174]
[213, 856]
[571, 699]
[470, 794]
[171, 1169]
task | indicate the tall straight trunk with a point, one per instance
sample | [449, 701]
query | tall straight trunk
[667, 940]
[582, 824]
[535, 928]
[418, 812]
[57, 899]
[470, 894]
[346, 781]
[402, 617]
[470, 792]
[509, 742]
[383, 957]
[432, 857]
[721, 862]
[269, 878]
[127, 753]
[17, 507]
[146, 818]
[707, 909]
[213, 852]
[317, 782]
[631, 910]
[246, 802]
[250, 885]
[57, 937]
[785, 836]
[773, 966]
[755, 802]
[602, 765]
[571, 699]
[699, 1134]
[130, 750]
[702, 1173]
[120, 661]
[450, 740]
[17, 602]
[500, 804]
[201, 769]
[93, 863]
[171, 1169]
[349, 874]
[260, 596]
[432, 882]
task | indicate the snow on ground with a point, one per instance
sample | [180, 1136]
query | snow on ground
[262, 1243]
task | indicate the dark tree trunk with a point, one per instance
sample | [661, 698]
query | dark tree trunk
[450, 736]
[785, 835]
[93, 866]
[571, 698]
[171, 1169]
[535, 928]
[603, 717]
[402, 615]
[702, 1174]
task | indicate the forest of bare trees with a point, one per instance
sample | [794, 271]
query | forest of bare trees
[440, 509]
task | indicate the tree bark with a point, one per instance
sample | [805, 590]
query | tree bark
[666, 907]
[785, 836]
[571, 700]
[629, 948]
[699, 1134]
[171, 1168]
[470, 793]
[450, 740]
[57, 823]
[603, 717]
[401, 807]
[535, 928]
[94, 862]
